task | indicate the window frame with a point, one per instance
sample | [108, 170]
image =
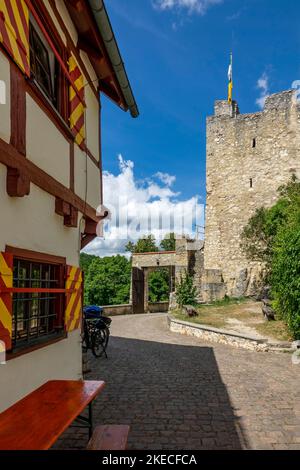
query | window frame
[60, 263]
[35, 61]
[61, 108]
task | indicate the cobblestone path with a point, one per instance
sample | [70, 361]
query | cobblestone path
[177, 392]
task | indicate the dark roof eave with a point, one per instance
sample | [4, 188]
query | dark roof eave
[107, 34]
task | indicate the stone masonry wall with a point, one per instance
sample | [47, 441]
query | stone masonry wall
[154, 260]
[190, 259]
[248, 157]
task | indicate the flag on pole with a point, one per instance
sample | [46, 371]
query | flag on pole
[230, 85]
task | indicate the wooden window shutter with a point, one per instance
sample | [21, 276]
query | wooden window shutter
[73, 312]
[6, 306]
[14, 32]
[77, 108]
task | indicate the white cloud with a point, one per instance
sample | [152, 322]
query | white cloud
[140, 208]
[165, 178]
[263, 86]
[192, 6]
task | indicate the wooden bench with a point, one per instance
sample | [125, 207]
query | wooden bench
[109, 437]
[40, 418]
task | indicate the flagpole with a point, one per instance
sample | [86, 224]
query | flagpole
[230, 79]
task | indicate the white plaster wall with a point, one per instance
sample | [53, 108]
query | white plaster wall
[92, 110]
[46, 146]
[5, 108]
[31, 223]
[92, 115]
[53, 17]
[22, 375]
[89, 67]
[93, 178]
[67, 19]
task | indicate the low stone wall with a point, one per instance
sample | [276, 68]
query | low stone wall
[126, 309]
[159, 307]
[217, 335]
[112, 310]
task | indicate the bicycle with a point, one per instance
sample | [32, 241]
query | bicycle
[95, 331]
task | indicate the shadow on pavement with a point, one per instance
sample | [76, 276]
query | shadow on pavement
[171, 395]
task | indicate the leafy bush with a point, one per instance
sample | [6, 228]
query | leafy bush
[259, 234]
[186, 292]
[285, 278]
[272, 236]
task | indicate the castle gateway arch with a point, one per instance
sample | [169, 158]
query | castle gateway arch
[187, 258]
[142, 265]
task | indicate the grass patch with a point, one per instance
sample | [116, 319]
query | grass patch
[208, 319]
[224, 302]
[275, 329]
[217, 313]
[239, 315]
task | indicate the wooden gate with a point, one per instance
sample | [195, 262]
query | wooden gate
[138, 283]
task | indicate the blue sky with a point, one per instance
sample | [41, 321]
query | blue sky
[177, 60]
[176, 53]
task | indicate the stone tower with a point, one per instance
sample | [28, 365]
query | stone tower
[248, 157]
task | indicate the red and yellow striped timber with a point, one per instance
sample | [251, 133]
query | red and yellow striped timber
[73, 311]
[77, 109]
[14, 32]
[6, 280]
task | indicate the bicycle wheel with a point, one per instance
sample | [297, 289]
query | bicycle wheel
[99, 342]
[85, 339]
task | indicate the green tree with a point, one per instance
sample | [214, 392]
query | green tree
[169, 242]
[272, 236]
[259, 235]
[146, 244]
[186, 292]
[159, 285]
[85, 261]
[108, 281]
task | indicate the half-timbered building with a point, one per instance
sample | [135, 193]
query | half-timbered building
[57, 57]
